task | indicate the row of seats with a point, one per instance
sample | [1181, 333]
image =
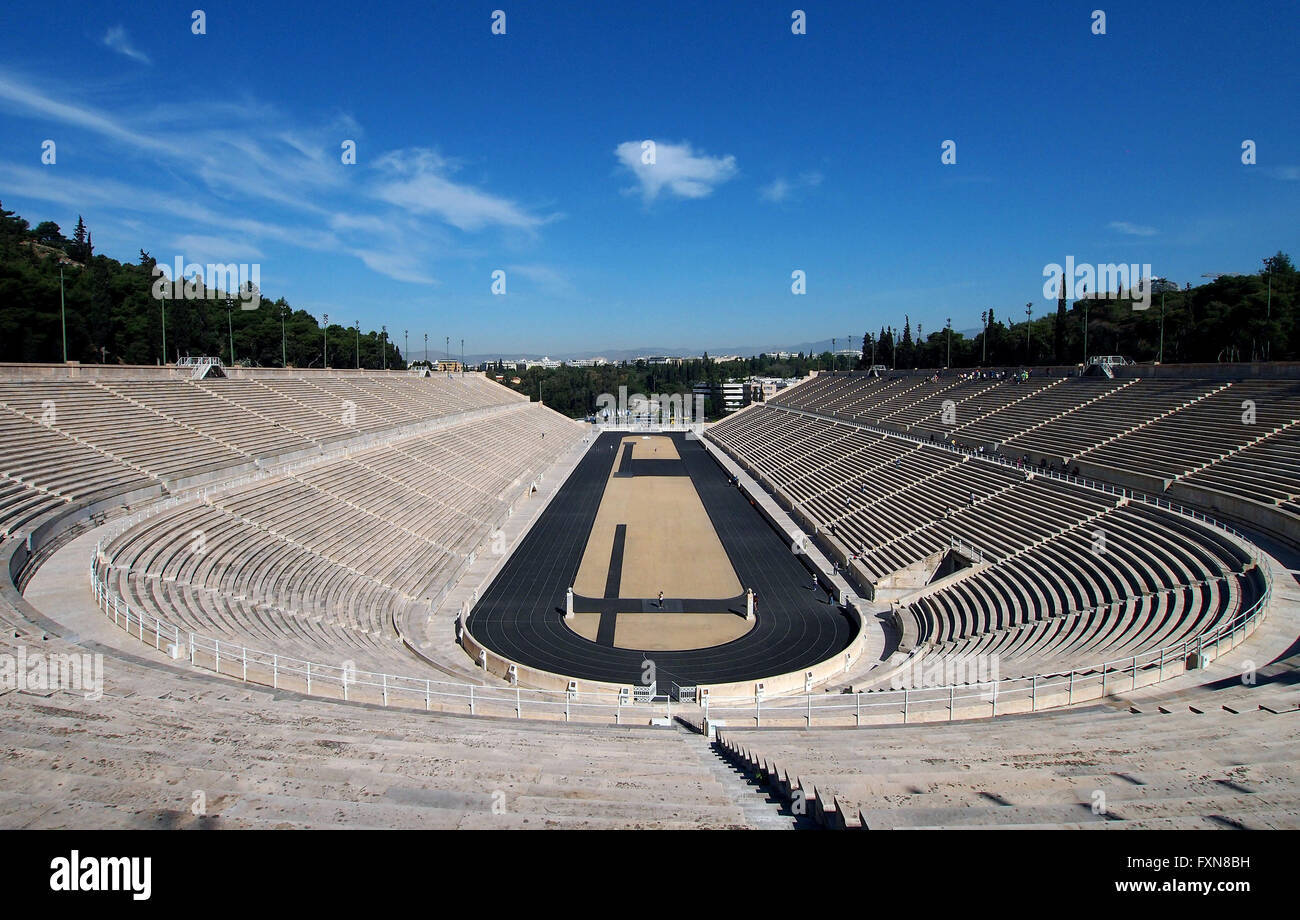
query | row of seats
[1167, 428]
[1054, 561]
[316, 562]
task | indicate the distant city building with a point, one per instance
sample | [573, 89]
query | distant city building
[448, 367]
[728, 396]
[761, 389]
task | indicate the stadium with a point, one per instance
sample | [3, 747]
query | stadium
[647, 417]
[420, 568]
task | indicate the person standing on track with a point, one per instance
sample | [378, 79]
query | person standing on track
[661, 600]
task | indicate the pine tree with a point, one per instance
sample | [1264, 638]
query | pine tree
[78, 249]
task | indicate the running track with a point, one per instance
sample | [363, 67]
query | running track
[521, 615]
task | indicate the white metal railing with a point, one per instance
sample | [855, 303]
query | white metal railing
[285, 672]
[1014, 694]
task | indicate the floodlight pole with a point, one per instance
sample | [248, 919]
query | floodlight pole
[325, 358]
[1164, 286]
[383, 345]
[230, 328]
[1029, 312]
[358, 325]
[284, 351]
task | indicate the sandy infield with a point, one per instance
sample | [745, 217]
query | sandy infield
[660, 632]
[671, 545]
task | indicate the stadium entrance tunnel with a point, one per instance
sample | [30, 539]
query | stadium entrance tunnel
[659, 547]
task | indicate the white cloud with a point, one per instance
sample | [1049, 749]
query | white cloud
[200, 248]
[677, 168]
[780, 189]
[119, 41]
[543, 277]
[416, 181]
[216, 162]
[1123, 226]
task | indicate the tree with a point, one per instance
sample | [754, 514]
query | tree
[48, 232]
[79, 250]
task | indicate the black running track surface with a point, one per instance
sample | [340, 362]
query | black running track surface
[521, 616]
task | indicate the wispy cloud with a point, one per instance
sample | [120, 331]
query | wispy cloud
[544, 278]
[417, 180]
[781, 189]
[117, 39]
[259, 161]
[676, 168]
[1128, 229]
[201, 248]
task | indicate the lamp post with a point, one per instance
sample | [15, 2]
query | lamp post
[949, 364]
[462, 357]
[1268, 316]
[426, 348]
[284, 351]
[325, 358]
[1084, 298]
[357, 323]
[230, 327]
[1160, 354]
[984, 359]
[406, 345]
[383, 345]
[64, 322]
[1029, 312]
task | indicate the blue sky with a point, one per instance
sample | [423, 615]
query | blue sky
[774, 152]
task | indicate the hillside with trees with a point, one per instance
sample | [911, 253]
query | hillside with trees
[112, 316]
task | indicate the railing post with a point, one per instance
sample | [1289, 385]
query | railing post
[471, 699]
[157, 633]
[905, 696]
[519, 704]
[1033, 696]
[1135, 672]
[216, 648]
[309, 677]
[952, 701]
[191, 648]
[385, 679]
[1162, 662]
[808, 713]
[428, 688]
[275, 671]
[1071, 697]
[245, 664]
